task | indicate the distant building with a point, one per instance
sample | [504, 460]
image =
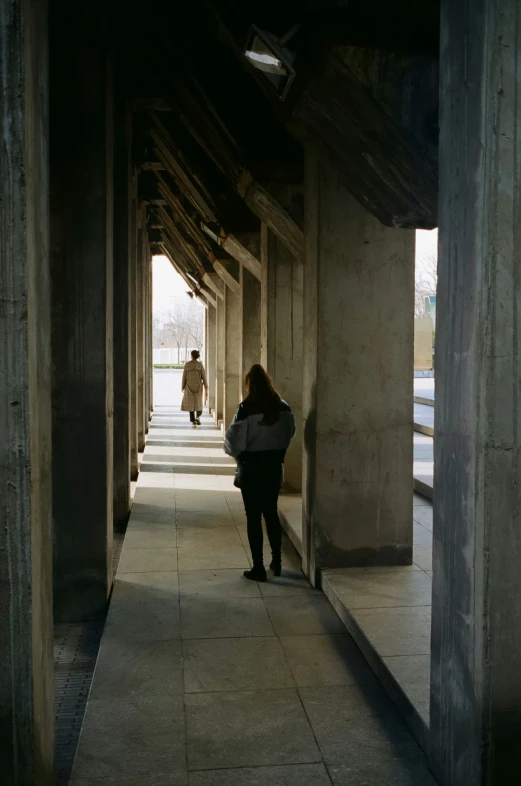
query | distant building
[430, 308]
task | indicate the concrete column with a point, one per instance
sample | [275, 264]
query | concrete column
[146, 317]
[121, 461]
[140, 328]
[282, 336]
[82, 312]
[233, 342]
[358, 382]
[250, 310]
[211, 342]
[220, 362]
[146, 300]
[134, 459]
[150, 340]
[26, 626]
[476, 617]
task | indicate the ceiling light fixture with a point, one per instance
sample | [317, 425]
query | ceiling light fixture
[269, 54]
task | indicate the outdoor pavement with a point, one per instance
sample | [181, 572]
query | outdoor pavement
[206, 679]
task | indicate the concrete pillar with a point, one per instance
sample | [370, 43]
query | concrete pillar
[140, 328]
[82, 313]
[233, 341]
[150, 340]
[134, 458]
[146, 316]
[282, 336]
[26, 628]
[476, 617]
[146, 300]
[358, 382]
[121, 460]
[211, 343]
[250, 311]
[220, 355]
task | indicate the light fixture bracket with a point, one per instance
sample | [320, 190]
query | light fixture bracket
[269, 55]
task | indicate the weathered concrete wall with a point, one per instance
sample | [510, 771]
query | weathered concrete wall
[151, 340]
[134, 459]
[358, 381]
[82, 318]
[211, 342]
[476, 622]
[250, 309]
[233, 342]
[220, 359]
[146, 307]
[26, 632]
[140, 336]
[121, 460]
[282, 335]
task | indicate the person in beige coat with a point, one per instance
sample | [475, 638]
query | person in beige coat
[194, 381]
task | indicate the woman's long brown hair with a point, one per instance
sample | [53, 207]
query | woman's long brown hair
[262, 393]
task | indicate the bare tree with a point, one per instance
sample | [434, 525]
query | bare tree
[426, 282]
[182, 324]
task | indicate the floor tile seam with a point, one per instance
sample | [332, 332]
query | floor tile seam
[385, 608]
[288, 664]
[255, 767]
[183, 676]
[409, 655]
[147, 570]
[306, 715]
[280, 689]
[228, 638]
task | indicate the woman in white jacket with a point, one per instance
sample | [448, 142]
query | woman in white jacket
[194, 381]
[258, 438]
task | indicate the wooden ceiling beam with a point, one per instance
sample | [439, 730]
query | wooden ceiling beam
[191, 226]
[227, 277]
[152, 166]
[214, 138]
[208, 280]
[195, 253]
[174, 163]
[236, 250]
[189, 252]
[148, 104]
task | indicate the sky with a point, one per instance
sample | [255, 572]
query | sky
[426, 243]
[167, 282]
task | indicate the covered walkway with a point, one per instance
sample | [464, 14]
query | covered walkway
[206, 679]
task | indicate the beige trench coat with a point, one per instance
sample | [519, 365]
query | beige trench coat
[194, 381]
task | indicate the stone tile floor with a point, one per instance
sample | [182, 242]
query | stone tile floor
[205, 679]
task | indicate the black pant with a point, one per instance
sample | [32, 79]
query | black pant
[193, 416]
[260, 488]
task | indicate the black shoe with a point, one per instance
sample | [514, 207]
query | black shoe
[276, 567]
[256, 573]
[197, 422]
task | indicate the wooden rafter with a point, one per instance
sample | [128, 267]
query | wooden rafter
[227, 277]
[180, 211]
[174, 163]
[236, 249]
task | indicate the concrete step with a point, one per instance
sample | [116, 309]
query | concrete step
[423, 466]
[428, 402]
[424, 419]
[290, 512]
[387, 611]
